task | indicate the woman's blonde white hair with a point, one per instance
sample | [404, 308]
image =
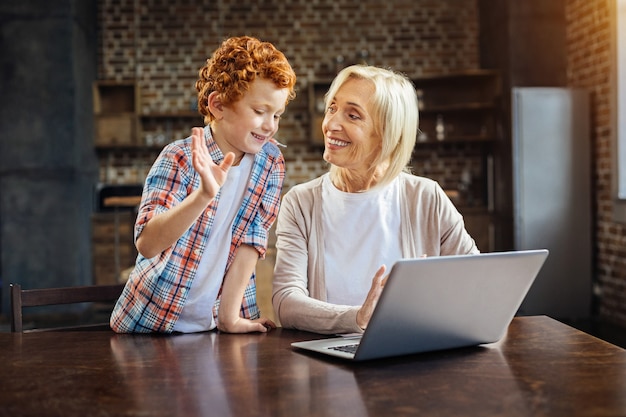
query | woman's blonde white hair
[395, 112]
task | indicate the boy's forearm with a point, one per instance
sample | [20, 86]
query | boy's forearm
[166, 228]
[235, 284]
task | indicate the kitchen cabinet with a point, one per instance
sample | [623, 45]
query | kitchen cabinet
[460, 124]
[112, 245]
[115, 113]
[127, 141]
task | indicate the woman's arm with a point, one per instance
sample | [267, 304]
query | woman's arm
[296, 303]
[454, 239]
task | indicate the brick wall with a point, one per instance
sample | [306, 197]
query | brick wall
[161, 44]
[589, 66]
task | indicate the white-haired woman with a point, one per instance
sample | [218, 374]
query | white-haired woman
[336, 232]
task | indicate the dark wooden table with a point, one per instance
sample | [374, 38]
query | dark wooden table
[541, 368]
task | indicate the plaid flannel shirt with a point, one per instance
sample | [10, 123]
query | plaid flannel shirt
[157, 288]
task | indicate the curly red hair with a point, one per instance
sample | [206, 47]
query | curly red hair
[237, 63]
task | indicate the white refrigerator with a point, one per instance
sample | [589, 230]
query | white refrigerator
[552, 196]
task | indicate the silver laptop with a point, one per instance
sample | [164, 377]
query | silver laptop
[441, 303]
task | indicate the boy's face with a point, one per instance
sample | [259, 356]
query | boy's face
[246, 125]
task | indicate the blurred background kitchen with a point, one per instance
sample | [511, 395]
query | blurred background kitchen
[519, 123]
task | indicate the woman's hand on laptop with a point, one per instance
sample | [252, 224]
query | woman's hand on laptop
[365, 312]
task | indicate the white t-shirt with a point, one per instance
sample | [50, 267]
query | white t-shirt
[197, 314]
[361, 233]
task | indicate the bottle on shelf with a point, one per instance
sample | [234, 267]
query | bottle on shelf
[440, 129]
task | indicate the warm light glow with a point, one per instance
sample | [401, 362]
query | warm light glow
[621, 94]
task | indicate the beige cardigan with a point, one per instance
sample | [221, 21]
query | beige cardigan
[433, 227]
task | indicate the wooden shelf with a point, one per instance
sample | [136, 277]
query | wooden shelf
[114, 106]
[466, 210]
[172, 115]
[456, 139]
[115, 97]
[122, 201]
[129, 147]
[458, 107]
[458, 76]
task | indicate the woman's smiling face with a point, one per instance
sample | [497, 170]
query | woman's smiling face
[350, 135]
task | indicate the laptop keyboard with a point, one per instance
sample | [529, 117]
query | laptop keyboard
[351, 348]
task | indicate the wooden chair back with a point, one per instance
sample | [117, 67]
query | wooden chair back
[21, 298]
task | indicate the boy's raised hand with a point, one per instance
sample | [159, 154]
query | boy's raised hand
[212, 175]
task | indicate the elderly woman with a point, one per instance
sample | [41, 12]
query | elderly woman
[336, 232]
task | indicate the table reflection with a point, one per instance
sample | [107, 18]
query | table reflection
[541, 368]
[231, 375]
[475, 377]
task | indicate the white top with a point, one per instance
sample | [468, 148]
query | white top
[361, 233]
[197, 314]
[431, 225]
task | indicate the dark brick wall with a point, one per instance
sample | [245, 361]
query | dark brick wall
[161, 45]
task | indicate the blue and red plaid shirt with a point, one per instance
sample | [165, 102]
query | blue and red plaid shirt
[157, 288]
